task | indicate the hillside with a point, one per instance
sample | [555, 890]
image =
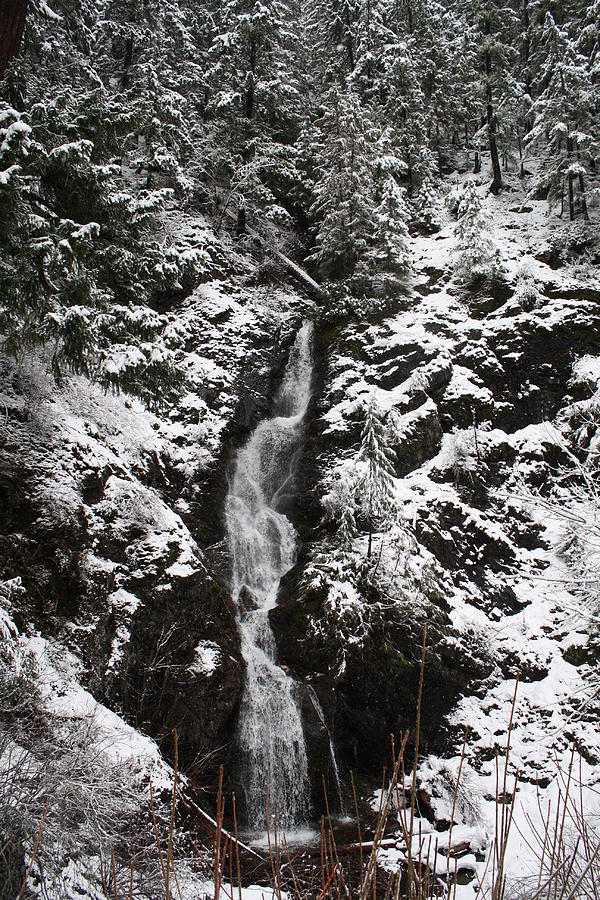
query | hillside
[299, 390]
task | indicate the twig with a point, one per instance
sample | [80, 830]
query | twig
[35, 850]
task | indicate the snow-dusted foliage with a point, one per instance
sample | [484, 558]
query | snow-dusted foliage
[527, 288]
[428, 207]
[72, 769]
[478, 257]
[391, 250]
[340, 504]
[375, 485]
[564, 122]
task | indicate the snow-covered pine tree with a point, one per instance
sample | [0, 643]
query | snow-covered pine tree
[254, 107]
[478, 257]
[342, 208]
[405, 109]
[332, 28]
[373, 34]
[427, 206]
[80, 262]
[435, 48]
[495, 30]
[565, 124]
[375, 488]
[340, 506]
[391, 250]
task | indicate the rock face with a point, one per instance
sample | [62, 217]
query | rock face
[468, 389]
[105, 509]
[97, 579]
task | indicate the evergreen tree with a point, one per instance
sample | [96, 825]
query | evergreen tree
[405, 109]
[477, 255]
[375, 489]
[340, 506]
[80, 258]
[427, 207]
[333, 31]
[342, 208]
[565, 127]
[495, 27]
[391, 250]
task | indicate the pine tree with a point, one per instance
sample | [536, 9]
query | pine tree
[405, 109]
[427, 207]
[495, 28]
[340, 506]
[391, 250]
[343, 188]
[566, 122]
[333, 28]
[375, 489]
[477, 255]
[80, 262]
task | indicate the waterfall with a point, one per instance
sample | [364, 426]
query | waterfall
[262, 542]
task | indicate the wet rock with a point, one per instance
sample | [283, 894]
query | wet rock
[159, 683]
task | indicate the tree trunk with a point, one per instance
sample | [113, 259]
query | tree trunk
[584, 208]
[526, 47]
[570, 180]
[521, 162]
[12, 24]
[127, 60]
[349, 41]
[241, 220]
[496, 184]
[250, 81]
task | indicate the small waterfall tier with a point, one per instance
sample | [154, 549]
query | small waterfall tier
[262, 542]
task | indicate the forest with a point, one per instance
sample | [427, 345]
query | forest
[328, 122]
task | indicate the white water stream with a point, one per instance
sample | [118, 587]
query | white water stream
[262, 542]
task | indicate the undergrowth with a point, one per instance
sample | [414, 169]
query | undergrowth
[74, 802]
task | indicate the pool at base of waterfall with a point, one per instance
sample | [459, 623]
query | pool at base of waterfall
[302, 836]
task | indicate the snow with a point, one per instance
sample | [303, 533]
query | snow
[207, 658]
[64, 697]
[468, 357]
[587, 370]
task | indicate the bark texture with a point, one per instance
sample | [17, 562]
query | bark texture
[12, 24]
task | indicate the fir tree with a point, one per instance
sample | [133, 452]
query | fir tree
[427, 207]
[565, 123]
[494, 32]
[391, 250]
[405, 108]
[375, 489]
[477, 255]
[340, 506]
[343, 186]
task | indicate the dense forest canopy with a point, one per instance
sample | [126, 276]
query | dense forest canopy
[329, 121]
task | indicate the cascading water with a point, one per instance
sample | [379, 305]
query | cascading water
[262, 542]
